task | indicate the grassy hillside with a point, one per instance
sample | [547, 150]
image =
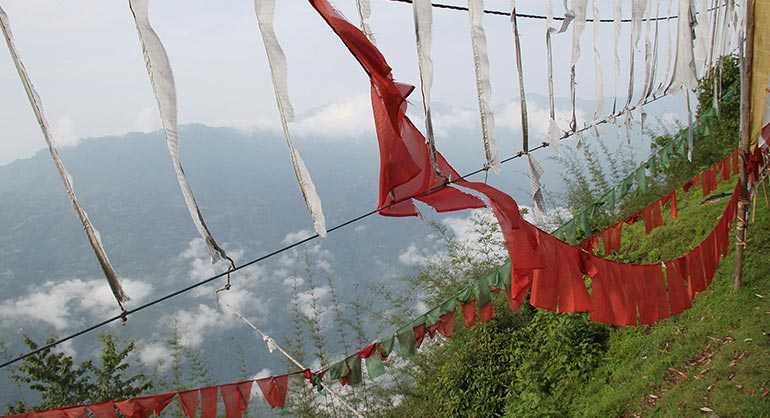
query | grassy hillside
[715, 356]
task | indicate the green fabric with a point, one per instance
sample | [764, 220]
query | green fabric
[652, 164]
[448, 306]
[354, 370]
[585, 224]
[570, 231]
[432, 316]
[641, 179]
[504, 276]
[338, 370]
[374, 366]
[386, 347]
[407, 346]
[465, 295]
[482, 291]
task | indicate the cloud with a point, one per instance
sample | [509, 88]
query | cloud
[155, 356]
[350, 117]
[293, 237]
[63, 304]
[193, 325]
[412, 256]
[64, 132]
[147, 120]
[314, 303]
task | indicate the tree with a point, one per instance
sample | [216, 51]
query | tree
[60, 382]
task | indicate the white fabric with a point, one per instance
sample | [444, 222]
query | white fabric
[598, 71]
[365, 13]
[579, 12]
[162, 80]
[37, 107]
[483, 86]
[265, 11]
[650, 56]
[270, 343]
[668, 55]
[638, 8]
[549, 57]
[535, 173]
[684, 64]
[702, 35]
[423, 26]
[617, 10]
[520, 73]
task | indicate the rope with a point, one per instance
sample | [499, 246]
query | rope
[541, 17]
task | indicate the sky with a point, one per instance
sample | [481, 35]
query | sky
[85, 60]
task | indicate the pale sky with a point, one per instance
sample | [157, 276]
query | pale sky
[85, 60]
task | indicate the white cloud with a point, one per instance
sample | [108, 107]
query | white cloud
[147, 120]
[412, 256]
[350, 117]
[319, 297]
[155, 355]
[293, 237]
[64, 132]
[193, 325]
[63, 304]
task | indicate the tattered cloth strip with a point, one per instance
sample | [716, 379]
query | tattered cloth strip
[684, 76]
[702, 36]
[364, 8]
[617, 8]
[162, 80]
[423, 28]
[638, 7]
[520, 74]
[265, 11]
[650, 57]
[483, 86]
[579, 11]
[37, 107]
[535, 173]
[554, 132]
[668, 56]
[598, 71]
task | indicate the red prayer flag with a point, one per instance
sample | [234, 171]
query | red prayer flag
[367, 351]
[145, 406]
[652, 216]
[103, 410]
[274, 390]
[725, 169]
[419, 334]
[447, 324]
[697, 281]
[75, 412]
[208, 402]
[469, 313]
[678, 298]
[188, 401]
[559, 287]
[236, 398]
[671, 200]
[486, 312]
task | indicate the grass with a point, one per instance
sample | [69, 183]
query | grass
[712, 359]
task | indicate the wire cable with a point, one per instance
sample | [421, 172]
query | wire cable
[124, 315]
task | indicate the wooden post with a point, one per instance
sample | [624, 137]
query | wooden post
[745, 139]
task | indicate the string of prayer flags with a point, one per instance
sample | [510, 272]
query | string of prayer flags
[274, 389]
[94, 238]
[162, 81]
[265, 11]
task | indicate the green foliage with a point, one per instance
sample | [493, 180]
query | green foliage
[61, 382]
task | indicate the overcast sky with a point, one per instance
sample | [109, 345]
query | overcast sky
[85, 60]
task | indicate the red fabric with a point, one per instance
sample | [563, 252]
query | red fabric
[610, 302]
[419, 334]
[188, 401]
[274, 390]
[486, 312]
[652, 216]
[724, 166]
[671, 200]
[710, 258]
[469, 313]
[145, 406]
[678, 298]
[559, 287]
[633, 218]
[589, 244]
[696, 180]
[208, 402]
[709, 181]
[735, 162]
[368, 351]
[51, 413]
[697, 281]
[76, 412]
[236, 398]
[447, 324]
[654, 304]
[688, 185]
[103, 410]
[611, 238]
[405, 167]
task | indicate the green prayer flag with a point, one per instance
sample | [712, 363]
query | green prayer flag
[386, 347]
[611, 200]
[652, 164]
[338, 370]
[354, 370]
[448, 306]
[483, 296]
[570, 232]
[504, 276]
[432, 316]
[641, 179]
[585, 224]
[374, 366]
[407, 345]
[465, 295]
